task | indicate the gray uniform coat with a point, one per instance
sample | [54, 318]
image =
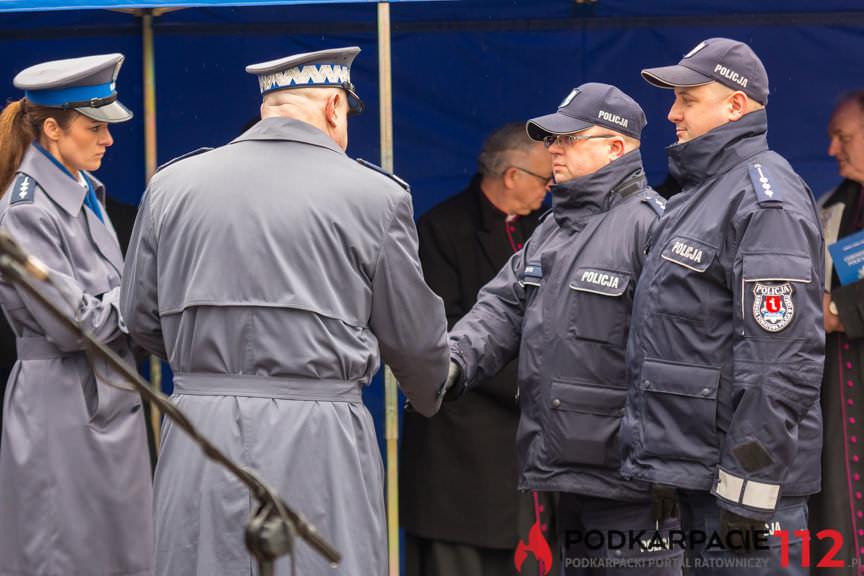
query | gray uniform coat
[75, 490]
[271, 273]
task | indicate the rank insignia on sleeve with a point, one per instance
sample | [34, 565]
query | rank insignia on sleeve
[773, 308]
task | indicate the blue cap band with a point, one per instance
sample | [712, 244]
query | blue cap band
[66, 95]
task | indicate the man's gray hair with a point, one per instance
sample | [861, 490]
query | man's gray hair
[495, 157]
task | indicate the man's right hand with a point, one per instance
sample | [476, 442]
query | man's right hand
[447, 389]
[831, 320]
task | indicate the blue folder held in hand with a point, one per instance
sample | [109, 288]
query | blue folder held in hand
[848, 256]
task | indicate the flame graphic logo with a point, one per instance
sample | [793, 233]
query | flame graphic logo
[537, 545]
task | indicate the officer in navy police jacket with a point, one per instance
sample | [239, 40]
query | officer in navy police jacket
[562, 305]
[726, 346]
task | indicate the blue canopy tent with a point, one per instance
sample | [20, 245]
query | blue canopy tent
[459, 70]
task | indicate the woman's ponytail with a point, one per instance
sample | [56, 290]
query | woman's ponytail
[16, 135]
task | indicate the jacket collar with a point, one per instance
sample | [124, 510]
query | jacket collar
[576, 200]
[67, 192]
[57, 183]
[718, 150]
[283, 128]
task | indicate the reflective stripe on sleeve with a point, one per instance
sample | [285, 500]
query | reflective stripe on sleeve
[760, 495]
[746, 492]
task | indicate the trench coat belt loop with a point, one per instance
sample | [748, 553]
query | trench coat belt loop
[38, 348]
[311, 389]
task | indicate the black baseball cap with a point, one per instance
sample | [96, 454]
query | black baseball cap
[729, 62]
[591, 104]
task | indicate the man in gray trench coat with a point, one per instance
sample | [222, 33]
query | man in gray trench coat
[270, 272]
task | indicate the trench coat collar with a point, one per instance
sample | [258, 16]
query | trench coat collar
[58, 185]
[68, 193]
[283, 128]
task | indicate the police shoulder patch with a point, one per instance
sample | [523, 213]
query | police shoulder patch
[387, 173]
[766, 193]
[23, 189]
[532, 275]
[773, 305]
[183, 157]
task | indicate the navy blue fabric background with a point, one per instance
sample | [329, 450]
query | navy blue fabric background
[460, 69]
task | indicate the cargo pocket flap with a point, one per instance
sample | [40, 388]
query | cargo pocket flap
[587, 398]
[679, 411]
[680, 379]
[776, 268]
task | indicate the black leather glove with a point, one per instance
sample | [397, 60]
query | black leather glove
[741, 535]
[664, 502]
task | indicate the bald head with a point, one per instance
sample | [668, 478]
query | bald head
[326, 108]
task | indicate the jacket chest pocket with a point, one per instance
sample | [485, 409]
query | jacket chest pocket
[584, 423]
[686, 276]
[599, 307]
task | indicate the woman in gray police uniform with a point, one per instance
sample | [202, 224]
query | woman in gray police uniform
[75, 489]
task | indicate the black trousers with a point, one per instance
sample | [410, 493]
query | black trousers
[601, 537]
[431, 557]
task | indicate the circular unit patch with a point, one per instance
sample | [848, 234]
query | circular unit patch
[773, 308]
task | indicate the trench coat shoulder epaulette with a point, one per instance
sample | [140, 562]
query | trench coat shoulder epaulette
[381, 170]
[183, 157]
[23, 189]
